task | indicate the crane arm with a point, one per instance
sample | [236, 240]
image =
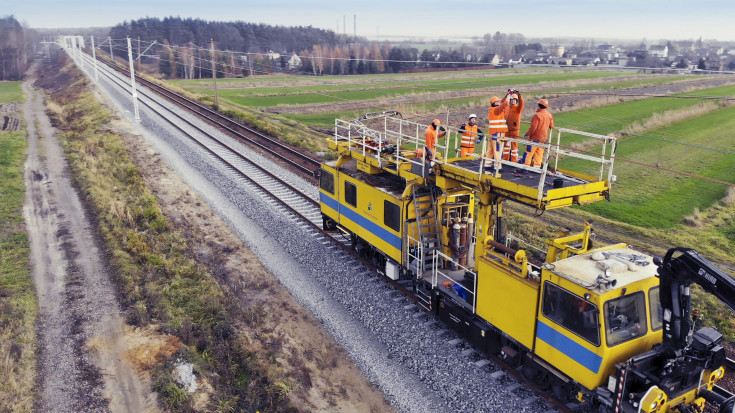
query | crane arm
[679, 269]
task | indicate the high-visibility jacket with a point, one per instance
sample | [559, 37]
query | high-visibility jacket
[469, 135]
[541, 122]
[513, 117]
[432, 136]
[496, 118]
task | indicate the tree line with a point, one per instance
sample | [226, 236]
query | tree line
[15, 45]
[244, 49]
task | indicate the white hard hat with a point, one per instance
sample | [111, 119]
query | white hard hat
[472, 116]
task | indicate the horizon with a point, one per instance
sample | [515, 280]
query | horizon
[673, 20]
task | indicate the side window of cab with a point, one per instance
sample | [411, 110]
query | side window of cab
[572, 312]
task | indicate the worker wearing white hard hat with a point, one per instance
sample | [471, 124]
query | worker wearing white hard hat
[471, 135]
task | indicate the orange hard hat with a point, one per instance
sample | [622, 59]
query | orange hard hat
[544, 102]
[494, 99]
[436, 121]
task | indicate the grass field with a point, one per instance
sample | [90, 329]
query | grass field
[17, 298]
[651, 198]
[11, 92]
[329, 91]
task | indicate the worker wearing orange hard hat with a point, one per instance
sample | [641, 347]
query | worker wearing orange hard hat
[471, 134]
[541, 122]
[433, 133]
[497, 128]
[513, 120]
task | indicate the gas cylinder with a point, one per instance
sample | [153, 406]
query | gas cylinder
[463, 240]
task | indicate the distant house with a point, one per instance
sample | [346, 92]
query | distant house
[556, 51]
[560, 60]
[492, 58]
[659, 51]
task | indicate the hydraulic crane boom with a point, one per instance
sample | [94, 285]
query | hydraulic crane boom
[676, 274]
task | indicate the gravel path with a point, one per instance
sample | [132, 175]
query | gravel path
[77, 303]
[418, 366]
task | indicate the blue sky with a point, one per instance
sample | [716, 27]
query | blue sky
[588, 19]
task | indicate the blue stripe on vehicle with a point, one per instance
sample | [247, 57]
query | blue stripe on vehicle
[375, 229]
[568, 347]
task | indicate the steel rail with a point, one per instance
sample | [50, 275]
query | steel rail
[228, 124]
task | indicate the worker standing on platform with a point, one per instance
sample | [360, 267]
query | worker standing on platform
[541, 122]
[497, 128]
[433, 133]
[471, 134]
[513, 120]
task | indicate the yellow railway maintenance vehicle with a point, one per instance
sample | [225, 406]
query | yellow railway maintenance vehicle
[607, 329]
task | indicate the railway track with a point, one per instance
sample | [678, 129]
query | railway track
[295, 159]
[302, 208]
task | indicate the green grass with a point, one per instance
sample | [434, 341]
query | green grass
[17, 300]
[11, 92]
[615, 118]
[652, 198]
[329, 93]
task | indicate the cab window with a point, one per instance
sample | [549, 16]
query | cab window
[351, 193]
[392, 216]
[657, 312]
[571, 312]
[326, 181]
[625, 318]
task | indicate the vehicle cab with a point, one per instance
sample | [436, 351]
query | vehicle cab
[597, 309]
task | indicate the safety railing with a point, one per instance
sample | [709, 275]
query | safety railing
[606, 157]
[386, 136]
[415, 256]
[441, 276]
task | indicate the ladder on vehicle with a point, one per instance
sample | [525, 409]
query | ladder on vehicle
[427, 226]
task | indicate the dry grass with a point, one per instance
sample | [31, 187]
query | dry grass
[668, 117]
[729, 199]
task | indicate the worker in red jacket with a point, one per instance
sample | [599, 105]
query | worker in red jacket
[471, 134]
[433, 133]
[541, 122]
[513, 120]
[497, 128]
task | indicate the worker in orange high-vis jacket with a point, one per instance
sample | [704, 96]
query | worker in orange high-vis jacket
[497, 128]
[513, 120]
[541, 122]
[433, 133]
[471, 134]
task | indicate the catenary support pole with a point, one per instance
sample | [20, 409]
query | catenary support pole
[94, 59]
[214, 74]
[109, 39]
[132, 80]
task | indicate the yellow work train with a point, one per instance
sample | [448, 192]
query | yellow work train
[586, 324]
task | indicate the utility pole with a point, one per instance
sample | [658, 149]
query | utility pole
[80, 41]
[94, 58]
[138, 59]
[109, 39]
[214, 75]
[132, 80]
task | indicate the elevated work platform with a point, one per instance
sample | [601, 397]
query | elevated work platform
[388, 144]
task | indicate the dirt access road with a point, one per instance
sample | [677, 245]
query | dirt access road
[89, 360]
[77, 303]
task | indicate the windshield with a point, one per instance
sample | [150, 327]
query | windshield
[625, 318]
[657, 313]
